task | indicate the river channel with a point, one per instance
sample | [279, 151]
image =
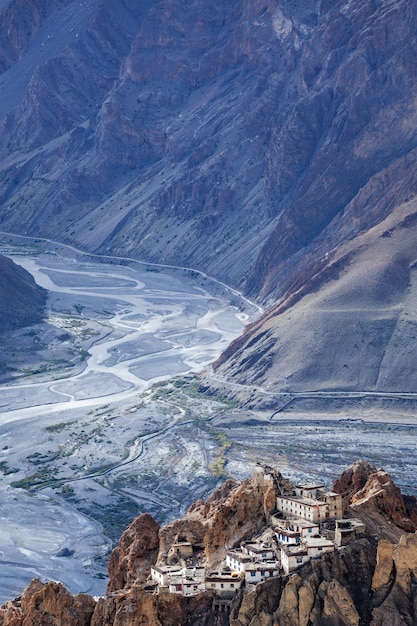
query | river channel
[103, 415]
[114, 328]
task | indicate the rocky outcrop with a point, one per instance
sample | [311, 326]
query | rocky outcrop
[372, 495]
[137, 607]
[353, 479]
[393, 583]
[234, 512]
[22, 301]
[369, 582]
[48, 604]
[131, 560]
[324, 593]
[380, 494]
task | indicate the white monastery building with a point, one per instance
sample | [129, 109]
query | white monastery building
[312, 503]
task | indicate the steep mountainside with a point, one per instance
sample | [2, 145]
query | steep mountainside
[369, 582]
[21, 300]
[354, 326]
[271, 131]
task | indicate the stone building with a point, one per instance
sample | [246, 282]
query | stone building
[312, 503]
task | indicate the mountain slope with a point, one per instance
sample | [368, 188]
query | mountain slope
[270, 131]
[354, 328]
[21, 300]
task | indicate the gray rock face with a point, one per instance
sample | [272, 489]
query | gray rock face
[256, 127]
[21, 300]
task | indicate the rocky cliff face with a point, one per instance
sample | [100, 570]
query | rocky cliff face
[393, 582]
[273, 131]
[138, 548]
[372, 495]
[323, 594]
[370, 582]
[234, 512]
[21, 300]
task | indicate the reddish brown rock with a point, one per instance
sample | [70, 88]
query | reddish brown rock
[234, 512]
[135, 607]
[372, 495]
[356, 585]
[394, 584]
[383, 573]
[353, 479]
[48, 604]
[131, 560]
[380, 494]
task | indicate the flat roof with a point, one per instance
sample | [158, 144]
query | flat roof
[264, 566]
[167, 569]
[301, 523]
[186, 580]
[294, 551]
[221, 578]
[314, 542]
[304, 523]
[240, 556]
[287, 531]
[310, 486]
[302, 500]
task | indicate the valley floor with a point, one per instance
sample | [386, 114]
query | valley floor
[102, 417]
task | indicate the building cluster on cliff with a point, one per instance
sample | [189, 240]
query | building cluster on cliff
[307, 523]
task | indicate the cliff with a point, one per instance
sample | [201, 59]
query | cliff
[234, 512]
[22, 302]
[272, 132]
[369, 582]
[372, 495]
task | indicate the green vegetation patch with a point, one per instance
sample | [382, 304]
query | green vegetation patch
[57, 428]
[42, 476]
[5, 469]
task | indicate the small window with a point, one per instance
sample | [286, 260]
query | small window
[253, 573]
[232, 585]
[221, 585]
[299, 559]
